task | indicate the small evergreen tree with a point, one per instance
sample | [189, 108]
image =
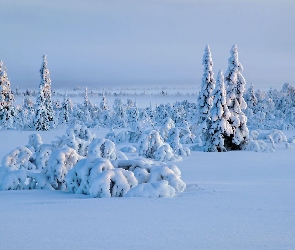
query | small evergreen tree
[251, 98]
[65, 110]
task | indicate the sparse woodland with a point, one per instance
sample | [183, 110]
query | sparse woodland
[225, 117]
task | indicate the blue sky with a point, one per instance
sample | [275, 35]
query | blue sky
[145, 42]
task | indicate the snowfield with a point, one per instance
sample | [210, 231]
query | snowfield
[233, 200]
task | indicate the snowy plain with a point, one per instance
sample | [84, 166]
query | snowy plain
[233, 200]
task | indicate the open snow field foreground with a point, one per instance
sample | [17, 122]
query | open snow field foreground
[233, 200]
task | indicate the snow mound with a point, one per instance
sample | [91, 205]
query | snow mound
[18, 159]
[152, 190]
[128, 149]
[81, 176]
[112, 183]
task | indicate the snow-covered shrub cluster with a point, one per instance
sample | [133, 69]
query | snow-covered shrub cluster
[100, 178]
[80, 163]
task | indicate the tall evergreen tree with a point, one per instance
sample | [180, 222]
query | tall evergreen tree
[235, 89]
[208, 85]
[219, 125]
[6, 96]
[44, 111]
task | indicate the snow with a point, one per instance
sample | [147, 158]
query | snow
[224, 206]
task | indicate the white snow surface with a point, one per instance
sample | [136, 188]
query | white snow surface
[233, 200]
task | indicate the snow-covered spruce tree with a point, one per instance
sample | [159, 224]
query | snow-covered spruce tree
[6, 97]
[104, 103]
[208, 85]
[66, 109]
[235, 83]
[41, 121]
[44, 111]
[119, 116]
[251, 98]
[219, 125]
[132, 112]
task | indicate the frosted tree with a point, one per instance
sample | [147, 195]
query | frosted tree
[41, 121]
[6, 96]
[251, 98]
[219, 125]
[120, 117]
[66, 109]
[208, 85]
[44, 110]
[132, 112]
[235, 89]
[104, 104]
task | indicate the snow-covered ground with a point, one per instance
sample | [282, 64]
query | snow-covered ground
[233, 200]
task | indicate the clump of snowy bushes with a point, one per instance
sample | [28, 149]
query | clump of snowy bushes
[100, 178]
[80, 163]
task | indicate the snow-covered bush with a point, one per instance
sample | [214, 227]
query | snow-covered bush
[152, 190]
[167, 126]
[132, 135]
[258, 146]
[18, 159]
[151, 145]
[23, 179]
[278, 136]
[274, 135]
[165, 153]
[111, 136]
[147, 173]
[185, 134]
[112, 183]
[140, 168]
[104, 148]
[41, 156]
[173, 139]
[60, 162]
[170, 174]
[34, 142]
[81, 176]
[254, 134]
[77, 137]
